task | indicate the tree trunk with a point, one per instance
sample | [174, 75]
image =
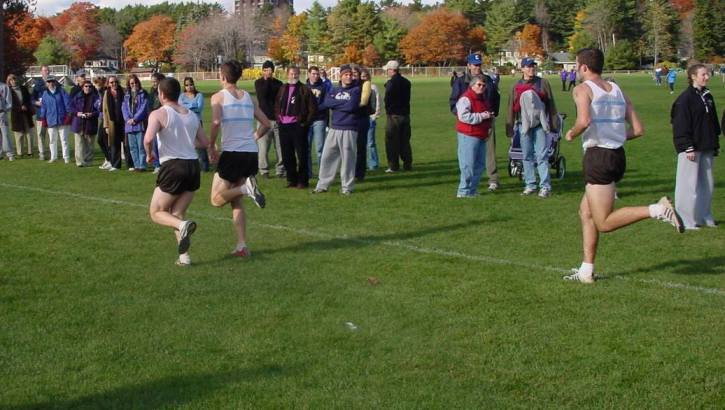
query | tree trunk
[3, 60]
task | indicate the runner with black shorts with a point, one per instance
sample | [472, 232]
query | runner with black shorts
[233, 111]
[179, 134]
[603, 113]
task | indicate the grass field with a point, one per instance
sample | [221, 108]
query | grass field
[467, 308]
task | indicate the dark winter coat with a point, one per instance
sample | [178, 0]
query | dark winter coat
[87, 104]
[17, 121]
[694, 121]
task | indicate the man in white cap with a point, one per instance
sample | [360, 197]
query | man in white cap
[397, 128]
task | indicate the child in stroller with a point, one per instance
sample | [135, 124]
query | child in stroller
[557, 162]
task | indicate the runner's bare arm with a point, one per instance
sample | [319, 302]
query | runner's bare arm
[582, 100]
[216, 123]
[154, 126]
[201, 140]
[264, 123]
[635, 129]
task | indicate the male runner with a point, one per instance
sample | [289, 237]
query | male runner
[603, 113]
[233, 111]
[179, 134]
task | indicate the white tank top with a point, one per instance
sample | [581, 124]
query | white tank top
[176, 140]
[608, 110]
[238, 123]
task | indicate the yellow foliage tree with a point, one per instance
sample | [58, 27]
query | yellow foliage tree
[152, 40]
[285, 44]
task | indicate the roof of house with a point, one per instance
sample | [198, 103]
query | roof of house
[562, 57]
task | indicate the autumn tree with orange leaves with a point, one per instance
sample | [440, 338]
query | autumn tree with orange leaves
[152, 41]
[442, 37]
[530, 38]
[285, 45]
[77, 29]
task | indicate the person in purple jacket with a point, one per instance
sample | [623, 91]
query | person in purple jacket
[341, 141]
[85, 108]
[572, 79]
[135, 110]
[564, 75]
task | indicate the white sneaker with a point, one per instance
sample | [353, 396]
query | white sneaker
[105, 165]
[156, 170]
[390, 171]
[544, 193]
[187, 228]
[184, 260]
[577, 277]
[493, 186]
[256, 195]
[669, 214]
[112, 169]
[528, 191]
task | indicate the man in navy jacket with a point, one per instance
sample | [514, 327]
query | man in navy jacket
[340, 144]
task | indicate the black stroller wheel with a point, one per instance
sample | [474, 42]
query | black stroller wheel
[561, 167]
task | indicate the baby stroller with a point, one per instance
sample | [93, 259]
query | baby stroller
[557, 162]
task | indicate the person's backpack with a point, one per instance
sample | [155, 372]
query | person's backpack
[523, 86]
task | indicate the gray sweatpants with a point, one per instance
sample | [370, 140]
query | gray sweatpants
[270, 139]
[693, 189]
[491, 169]
[340, 146]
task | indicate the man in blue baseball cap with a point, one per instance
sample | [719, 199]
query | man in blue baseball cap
[493, 98]
[533, 142]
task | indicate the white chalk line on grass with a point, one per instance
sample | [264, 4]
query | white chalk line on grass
[398, 244]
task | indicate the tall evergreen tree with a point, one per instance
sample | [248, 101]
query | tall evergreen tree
[316, 30]
[660, 25]
[500, 24]
[473, 10]
[708, 26]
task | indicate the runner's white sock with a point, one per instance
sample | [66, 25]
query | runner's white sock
[587, 269]
[656, 210]
[240, 246]
[181, 225]
[245, 190]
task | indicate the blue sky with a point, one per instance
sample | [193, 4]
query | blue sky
[51, 7]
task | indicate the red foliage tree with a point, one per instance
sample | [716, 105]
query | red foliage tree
[442, 36]
[77, 28]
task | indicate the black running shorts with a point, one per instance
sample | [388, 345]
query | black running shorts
[602, 166]
[179, 175]
[233, 165]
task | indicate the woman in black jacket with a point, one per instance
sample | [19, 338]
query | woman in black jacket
[21, 116]
[695, 130]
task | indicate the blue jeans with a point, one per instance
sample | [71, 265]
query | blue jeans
[316, 134]
[472, 161]
[533, 147]
[135, 146]
[373, 162]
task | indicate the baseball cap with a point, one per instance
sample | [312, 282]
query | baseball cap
[474, 59]
[528, 62]
[391, 65]
[51, 78]
[345, 67]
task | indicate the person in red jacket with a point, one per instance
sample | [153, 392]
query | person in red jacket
[473, 121]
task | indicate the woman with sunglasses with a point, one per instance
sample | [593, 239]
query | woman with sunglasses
[135, 111]
[473, 121]
[193, 100]
[84, 110]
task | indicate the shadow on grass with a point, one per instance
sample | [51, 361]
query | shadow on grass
[162, 393]
[370, 240]
[706, 266]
